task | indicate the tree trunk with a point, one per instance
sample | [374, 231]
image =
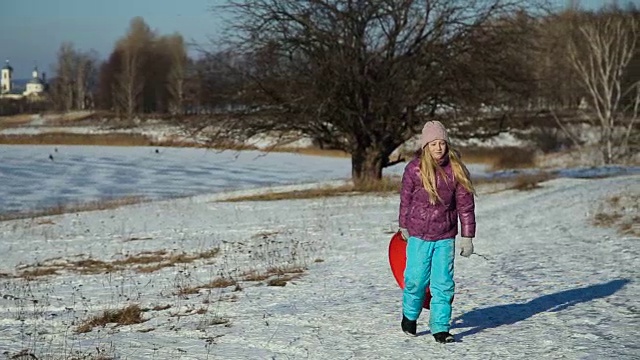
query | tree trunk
[609, 146]
[367, 164]
[80, 89]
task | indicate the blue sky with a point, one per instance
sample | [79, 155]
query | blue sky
[31, 31]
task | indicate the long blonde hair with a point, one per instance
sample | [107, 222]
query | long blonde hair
[429, 166]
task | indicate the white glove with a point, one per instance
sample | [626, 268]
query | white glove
[405, 233]
[466, 246]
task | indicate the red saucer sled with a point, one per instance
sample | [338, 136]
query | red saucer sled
[398, 262]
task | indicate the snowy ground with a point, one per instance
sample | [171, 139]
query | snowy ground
[548, 283]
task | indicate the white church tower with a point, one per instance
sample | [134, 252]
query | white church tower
[5, 79]
[35, 86]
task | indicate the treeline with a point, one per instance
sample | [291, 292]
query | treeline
[145, 73]
[528, 66]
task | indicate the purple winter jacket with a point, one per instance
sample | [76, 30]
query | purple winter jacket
[440, 221]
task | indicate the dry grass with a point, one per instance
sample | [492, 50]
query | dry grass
[296, 194]
[73, 208]
[217, 320]
[522, 182]
[606, 220]
[385, 186]
[151, 268]
[499, 158]
[109, 139]
[284, 275]
[282, 280]
[388, 186]
[265, 234]
[276, 276]
[132, 139]
[161, 307]
[255, 276]
[91, 266]
[61, 138]
[47, 117]
[187, 290]
[15, 120]
[73, 116]
[143, 258]
[220, 282]
[144, 262]
[217, 283]
[314, 151]
[631, 227]
[621, 212]
[283, 270]
[129, 315]
[38, 272]
[529, 181]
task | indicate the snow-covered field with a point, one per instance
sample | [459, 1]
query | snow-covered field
[548, 284]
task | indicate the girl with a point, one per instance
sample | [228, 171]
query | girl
[436, 190]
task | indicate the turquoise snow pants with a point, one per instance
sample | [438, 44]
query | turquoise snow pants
[429, 263]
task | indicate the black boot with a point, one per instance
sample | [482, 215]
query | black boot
[443, 337]
[408, 326]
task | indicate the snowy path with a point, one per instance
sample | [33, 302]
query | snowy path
[545, 292]
[551, 286]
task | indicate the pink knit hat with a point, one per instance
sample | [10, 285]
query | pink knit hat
[433, 130]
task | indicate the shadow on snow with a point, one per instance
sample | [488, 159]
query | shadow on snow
[491, 317]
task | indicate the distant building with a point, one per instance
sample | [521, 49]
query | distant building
[6, 76]
[35, 88]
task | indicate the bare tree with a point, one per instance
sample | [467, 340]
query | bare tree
[129, 79]
[357, 75]
[216, 81]
[145, 73]
[177, 73]
[557, 83]
[128, 86]
[600, 55]
[85, 78]
[76, 75]
[106, 83]
[63, 89]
